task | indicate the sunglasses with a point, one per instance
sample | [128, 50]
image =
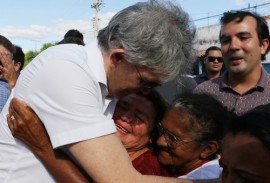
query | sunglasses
[212, 59]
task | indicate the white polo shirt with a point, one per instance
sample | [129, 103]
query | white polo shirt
[66, 86]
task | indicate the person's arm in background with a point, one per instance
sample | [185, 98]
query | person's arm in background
[28, 128]
[7, 69]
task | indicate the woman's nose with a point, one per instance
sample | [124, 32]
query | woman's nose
[129, 118]
[161, 141]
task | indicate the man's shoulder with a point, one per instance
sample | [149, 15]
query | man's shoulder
[267, 76]
[201, 76]
[66, 51]
[208, 86]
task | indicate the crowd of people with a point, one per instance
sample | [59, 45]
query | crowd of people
[124, 107]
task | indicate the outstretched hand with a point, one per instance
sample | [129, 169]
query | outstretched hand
[25, 125]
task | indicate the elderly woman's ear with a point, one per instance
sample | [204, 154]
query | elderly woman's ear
[210, 149]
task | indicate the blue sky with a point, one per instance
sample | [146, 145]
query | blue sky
[31, 23]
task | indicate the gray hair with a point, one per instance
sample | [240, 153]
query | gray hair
[155, 34]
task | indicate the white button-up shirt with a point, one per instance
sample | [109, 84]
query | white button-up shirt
[66, 86]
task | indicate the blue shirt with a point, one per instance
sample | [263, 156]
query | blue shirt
[4, 94]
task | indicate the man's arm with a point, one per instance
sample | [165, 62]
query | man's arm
[104, 158]
[106, 161]
[27, 127]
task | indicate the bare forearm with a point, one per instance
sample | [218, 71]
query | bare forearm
[62, 168]
[113, 164]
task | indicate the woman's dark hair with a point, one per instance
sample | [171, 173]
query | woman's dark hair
[7, 44]
[19, 56]
[74, 33]
[255, 123]
[73, 40]
[208, 118]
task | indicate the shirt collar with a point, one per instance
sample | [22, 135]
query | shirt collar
[96, 64]
[263, 79]
[203, 75]
[260, 85]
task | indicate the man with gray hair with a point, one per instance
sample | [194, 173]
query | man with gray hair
[71, 89]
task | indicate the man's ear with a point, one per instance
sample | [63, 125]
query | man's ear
[210, 149]
[117, 56]
[204, 59]
[17, 66]
[264, 46]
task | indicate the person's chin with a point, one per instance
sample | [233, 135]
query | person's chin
[164, 157]
[163, 161]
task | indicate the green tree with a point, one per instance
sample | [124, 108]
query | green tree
[45, 46]
[29, 56]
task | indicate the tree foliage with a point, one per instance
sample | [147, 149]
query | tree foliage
[29, 56]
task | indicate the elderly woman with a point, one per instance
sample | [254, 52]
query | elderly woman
[245, 155]
[190, 136]
[135, 118]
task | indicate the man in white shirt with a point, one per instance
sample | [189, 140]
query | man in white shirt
[71, 87]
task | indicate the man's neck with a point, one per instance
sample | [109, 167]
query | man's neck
[243, 83]
[212, 75]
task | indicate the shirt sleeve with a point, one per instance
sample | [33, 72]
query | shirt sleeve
[68, 100]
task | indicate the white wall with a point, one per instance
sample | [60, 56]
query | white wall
[209, 36]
